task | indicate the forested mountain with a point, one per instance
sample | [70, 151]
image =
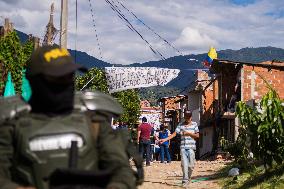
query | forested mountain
[81, 57]
[187, 64]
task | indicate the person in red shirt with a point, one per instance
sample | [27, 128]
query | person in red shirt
[143, 139]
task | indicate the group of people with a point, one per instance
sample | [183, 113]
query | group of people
[62, 138]
[149, 144]
[189, 134]
[119, 125]
[161, 150]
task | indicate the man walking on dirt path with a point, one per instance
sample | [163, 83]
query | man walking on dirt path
[189, 133]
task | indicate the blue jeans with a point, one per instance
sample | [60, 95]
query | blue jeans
[145, 145]
[156, 154]
[151, 152]
[187, 163]
[164, 148]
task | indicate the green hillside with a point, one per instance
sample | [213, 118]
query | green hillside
[187, 64]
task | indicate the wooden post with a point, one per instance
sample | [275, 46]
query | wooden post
[8, 27]
[36, 42]
[1, 31]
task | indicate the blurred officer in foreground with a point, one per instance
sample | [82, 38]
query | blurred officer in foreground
[60, 139]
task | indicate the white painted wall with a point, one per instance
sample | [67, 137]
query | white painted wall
[196, 116]
[193, 106]
[207, 143]
[193, 101]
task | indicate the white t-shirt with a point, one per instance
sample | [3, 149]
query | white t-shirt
[186, 141]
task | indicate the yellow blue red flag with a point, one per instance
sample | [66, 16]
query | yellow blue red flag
[212, 54]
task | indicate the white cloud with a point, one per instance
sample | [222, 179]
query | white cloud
[194, 39]
[192, 26]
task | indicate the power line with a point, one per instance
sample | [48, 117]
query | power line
[96, 33]
[151, 29]
[132, 28]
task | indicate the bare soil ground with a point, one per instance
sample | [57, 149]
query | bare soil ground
[163, 176]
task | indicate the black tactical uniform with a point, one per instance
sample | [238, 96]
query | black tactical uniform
[36, 137]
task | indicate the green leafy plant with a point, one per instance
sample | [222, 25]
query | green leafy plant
[223, 143]
[271, 129]
[236, 149]
[130, 102]
[261, 130]
[94, 79]
[13, 58]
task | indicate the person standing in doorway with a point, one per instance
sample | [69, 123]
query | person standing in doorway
[189, 133]
[143, 139]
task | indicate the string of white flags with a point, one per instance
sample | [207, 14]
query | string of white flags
[122, 78]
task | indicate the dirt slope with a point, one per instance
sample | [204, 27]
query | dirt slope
[160, 176]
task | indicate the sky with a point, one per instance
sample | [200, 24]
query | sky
[191, 26]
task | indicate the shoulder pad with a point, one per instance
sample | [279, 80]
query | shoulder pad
[11, 107]
[97, 101]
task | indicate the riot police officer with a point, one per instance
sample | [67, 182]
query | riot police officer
[36, 137]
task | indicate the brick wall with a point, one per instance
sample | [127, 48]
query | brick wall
[208, 99]
[202, 78]
[208, 96]
[255, 87]
[170, 103]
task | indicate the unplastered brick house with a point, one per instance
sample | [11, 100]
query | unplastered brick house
[213, 97]
[172, 113]
[253, 79]
[172, 110]
[242, 81]
[201, 101]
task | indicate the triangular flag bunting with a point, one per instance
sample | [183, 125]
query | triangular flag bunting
[9, 87]
[26, 88]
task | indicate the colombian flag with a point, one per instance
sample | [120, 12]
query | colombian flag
[212, 54]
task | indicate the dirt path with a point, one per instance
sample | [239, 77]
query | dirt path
[162, 176]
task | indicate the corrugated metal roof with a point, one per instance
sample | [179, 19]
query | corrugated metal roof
[276, 64]
[273, 63]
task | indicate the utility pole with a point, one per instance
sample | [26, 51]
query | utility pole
[63, 23]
